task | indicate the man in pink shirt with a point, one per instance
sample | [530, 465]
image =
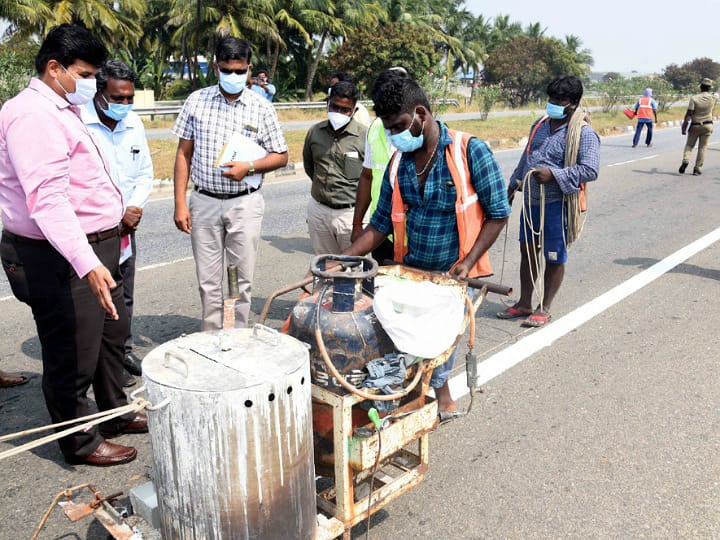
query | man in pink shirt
[60, 246]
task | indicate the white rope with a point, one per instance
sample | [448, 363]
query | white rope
[575, 217]
[94, 419]
[536, 239]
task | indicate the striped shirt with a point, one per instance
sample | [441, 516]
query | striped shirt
[209, 120]
[432, 233]
[548, 150]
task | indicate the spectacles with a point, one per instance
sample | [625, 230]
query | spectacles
[227, 71]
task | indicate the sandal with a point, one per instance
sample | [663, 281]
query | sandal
[449, 416]
[9, 380]
[537, 319]
[512, 313]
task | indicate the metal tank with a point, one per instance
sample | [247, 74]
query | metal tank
[231, 435]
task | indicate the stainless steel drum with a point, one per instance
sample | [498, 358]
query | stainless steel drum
[232, 435]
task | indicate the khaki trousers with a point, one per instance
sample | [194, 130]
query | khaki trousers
[329, 229]
[701, 135]
[225, 232]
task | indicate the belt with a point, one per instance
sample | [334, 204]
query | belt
[700, 123]
[225, 196]
[93, 238]
[339, 206]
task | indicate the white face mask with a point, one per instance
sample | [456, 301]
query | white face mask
[338, 120]
[232, 83]
[85, 90]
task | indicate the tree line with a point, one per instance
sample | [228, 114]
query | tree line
[301, 42]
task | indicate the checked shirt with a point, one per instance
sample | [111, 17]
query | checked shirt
[209, 120]
[433, 242]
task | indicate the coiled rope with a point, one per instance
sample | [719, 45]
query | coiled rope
[574, 203]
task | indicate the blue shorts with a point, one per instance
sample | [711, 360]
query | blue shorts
[555, 231]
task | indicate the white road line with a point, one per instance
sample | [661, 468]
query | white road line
[160, 265]
[544, 337]
[632, 160]
[142, 269]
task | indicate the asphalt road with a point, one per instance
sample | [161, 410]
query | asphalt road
[607, 427]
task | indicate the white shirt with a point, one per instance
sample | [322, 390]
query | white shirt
[362, 115]
[127, 152]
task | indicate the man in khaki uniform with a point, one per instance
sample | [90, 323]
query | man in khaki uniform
[699, 116]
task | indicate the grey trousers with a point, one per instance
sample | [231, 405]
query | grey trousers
[225, 232]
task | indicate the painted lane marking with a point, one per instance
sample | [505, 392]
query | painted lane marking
[501, 361]
[632, 160]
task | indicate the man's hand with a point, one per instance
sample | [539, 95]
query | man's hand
[101, 282]
[543, 175]
[237, 170]
[182, 218]
[461, 269]
[130, 220]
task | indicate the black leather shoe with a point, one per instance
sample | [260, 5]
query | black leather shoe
[108, 454]
[138, 424]
[133, 364]
[696, 172]
[682, 168]
[128, 379]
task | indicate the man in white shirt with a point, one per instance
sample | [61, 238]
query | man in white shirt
[121, 136]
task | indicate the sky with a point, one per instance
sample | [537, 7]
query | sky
[622, 35]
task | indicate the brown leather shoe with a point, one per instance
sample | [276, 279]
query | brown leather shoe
[136, 425]
[108, 454]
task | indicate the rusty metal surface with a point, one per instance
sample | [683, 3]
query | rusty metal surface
[399, 433]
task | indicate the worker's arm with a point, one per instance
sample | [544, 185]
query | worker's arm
[181, 177]
[238, 170]
[488, 234]
[368, 240]
[362, 201]
[686, 121]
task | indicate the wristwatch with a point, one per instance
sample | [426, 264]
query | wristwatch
[251, 168]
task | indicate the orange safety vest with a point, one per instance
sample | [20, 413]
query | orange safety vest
[645, 110]
[468, 211]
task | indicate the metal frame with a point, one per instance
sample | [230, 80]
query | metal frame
[400, 468]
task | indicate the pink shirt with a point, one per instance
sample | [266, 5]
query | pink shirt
[54, 183]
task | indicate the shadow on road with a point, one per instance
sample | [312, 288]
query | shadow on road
[296, 244]
[684, 268]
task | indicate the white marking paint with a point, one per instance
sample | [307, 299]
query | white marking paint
[633, 160]
[546, 336]
[160, 265]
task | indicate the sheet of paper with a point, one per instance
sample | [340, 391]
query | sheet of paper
[242, 148]
[125, 248]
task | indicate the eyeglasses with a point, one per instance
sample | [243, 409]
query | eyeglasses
[227, 71]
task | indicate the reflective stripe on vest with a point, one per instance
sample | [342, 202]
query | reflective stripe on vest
[380, 152]
[468, 211]
[645, 110]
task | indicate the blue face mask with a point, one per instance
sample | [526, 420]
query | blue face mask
[116, 111]
[405, 141]
[232, 83]
[556, 112]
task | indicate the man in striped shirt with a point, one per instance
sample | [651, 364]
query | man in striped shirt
[225, 212]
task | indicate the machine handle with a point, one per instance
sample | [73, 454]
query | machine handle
[346, 261]
[176, 355]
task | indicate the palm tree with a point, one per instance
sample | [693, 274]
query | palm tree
[535, 30]
[116, 24]
[582, 56]
[23, 15]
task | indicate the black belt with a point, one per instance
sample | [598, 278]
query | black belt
[93, 238]
[339, 206]
[700, 123]
[225, 196]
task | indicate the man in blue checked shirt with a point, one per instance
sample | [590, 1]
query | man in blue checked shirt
[428, 189]
[544, 156]
[121, 136]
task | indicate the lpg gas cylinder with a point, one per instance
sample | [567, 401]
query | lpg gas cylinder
[350, 331]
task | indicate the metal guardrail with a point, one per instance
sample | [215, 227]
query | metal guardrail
[173, 108]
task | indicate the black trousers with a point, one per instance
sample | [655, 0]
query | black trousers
[127, 271]
[81, 345]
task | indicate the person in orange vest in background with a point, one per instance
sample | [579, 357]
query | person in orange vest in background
[645, 112]
[442, 197]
